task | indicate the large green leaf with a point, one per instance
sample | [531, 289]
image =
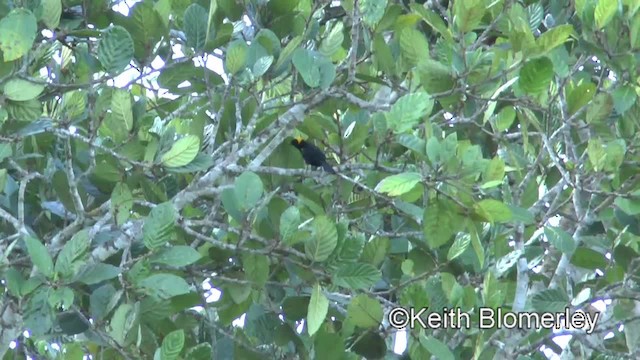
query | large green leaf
[372, 11]
[195, 26]
[176, 256]
[17, 33]
[51, 11]
[72, 250]
[158, 226]
[116, 49]
[323, 241]
[172, 345]
[182, 152]
[365, 312]
[396, 185]
[248, 189]
[96, 273]
[604, 12]
[536, 75]
[356, 276]
[165, 286]
[39, 256]
[236, 58]
[408, 111]
[22, 90]
[317, 311]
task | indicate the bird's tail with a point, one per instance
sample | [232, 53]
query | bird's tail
[328, 168]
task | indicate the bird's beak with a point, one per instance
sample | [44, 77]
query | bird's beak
[298, 139]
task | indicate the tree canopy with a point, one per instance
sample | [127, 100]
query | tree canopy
[485, 157]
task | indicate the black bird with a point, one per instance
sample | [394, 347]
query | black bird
[312, 155]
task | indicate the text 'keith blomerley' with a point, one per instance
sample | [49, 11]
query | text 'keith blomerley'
[493, 318]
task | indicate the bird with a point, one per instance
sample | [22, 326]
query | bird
[311, 154]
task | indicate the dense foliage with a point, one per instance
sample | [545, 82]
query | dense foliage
[486, 157]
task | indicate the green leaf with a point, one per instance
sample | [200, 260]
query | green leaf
[317, 310]
[103, 300]
[288, 51]
[629, 206]
[74, 103]
[553, 38]
[248, 189]
[236, 57]
[536, 75]
[579, 96]
[438, 223]
[172, 345]
[256, 268]
[121, 203]
[589, 259]
[18, 30]
[158, 226]
[51, 11]
[231, 204]
[597, 154]
[436, 348]
[146, 28]
[165, 286]
[615, 151]
[604, 12]
[413, 45]
[200, 163]
[372, 11]
[323, 240]
[262, 65]
[600, 108]
[623, 98]
[18, 89]
[201, 351]
[333, 40]
[182, 152]
[195, 26]
[289, 222]
[14, 281]
[71, 251]
[5, 152]
[365, 312]
[176, 256]
[383, 56]
[116, 49]
[460, 245]
[239, 292]
[3, 179]
[356, 276]
[329, 346]
[305, 63]
[535, 13]
[97, 272]
[122, 322]
[399, 184]
[493, 210]
[38, 315]
[505, 118]
[121, 109]
[375, 251]
[408, 111]
[495, 170]
[550, 301]
[61, 297]
[39, 256]
[468, 14]
[28, 111]
[560, 239]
